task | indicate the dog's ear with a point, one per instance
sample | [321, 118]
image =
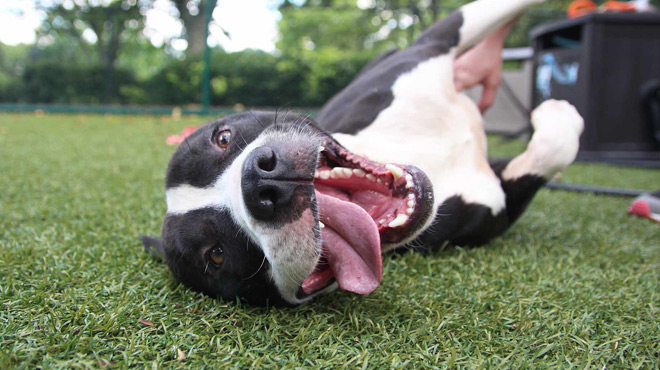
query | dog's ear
[153, 246]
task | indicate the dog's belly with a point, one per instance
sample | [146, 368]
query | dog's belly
[431, 126]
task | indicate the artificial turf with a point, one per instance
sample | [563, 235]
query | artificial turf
[575, 283]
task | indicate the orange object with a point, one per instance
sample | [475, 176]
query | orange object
[579, 8]
[619, 6]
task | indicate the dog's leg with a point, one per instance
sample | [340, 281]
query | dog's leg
[474, 21]
[554, 145]
[482, 17]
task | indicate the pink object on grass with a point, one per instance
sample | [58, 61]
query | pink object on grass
[647, 206]
[177, 139]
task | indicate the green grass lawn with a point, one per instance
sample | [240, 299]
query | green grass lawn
[575, 283]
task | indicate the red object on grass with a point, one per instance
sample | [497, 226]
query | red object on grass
[640, 208]
[177, 139]
[145, 322]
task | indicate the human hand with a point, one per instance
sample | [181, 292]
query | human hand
[482, 65]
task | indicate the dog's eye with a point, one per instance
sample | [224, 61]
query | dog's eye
[217, 256]
[223, 138]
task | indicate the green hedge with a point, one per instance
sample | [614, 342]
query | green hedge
[250, 78]
[54, 83]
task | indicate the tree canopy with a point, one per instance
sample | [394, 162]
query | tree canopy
[99, 51]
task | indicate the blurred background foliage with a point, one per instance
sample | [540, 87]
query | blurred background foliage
[89, 52]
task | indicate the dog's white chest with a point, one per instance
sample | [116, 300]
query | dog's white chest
[431, 126]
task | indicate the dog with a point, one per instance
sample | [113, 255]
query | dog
[279, 208]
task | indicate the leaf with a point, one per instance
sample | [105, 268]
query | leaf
[103, 363]
[180, 355]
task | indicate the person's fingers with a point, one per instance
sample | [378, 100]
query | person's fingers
[459, 72]
[458, 82]
[487, 97]
[464, 78]
[490, 86]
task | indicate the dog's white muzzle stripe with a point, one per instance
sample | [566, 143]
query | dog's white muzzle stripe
[224, 193]
[186, 198]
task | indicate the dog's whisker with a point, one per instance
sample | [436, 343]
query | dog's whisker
[295, 277]
[244, 141]
[291, 279]
[257, 119]
[286, 115]
[190, 149]
[259, 269]
[178, 256]
[277, 111]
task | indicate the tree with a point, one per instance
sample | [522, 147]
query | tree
[378, 25]
[317, 25]
[406, 19]
[357, 26]
[99, 27]
[191, 13]
[12, 62]
[331, 40]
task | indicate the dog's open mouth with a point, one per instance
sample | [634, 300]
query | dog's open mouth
[362, 204]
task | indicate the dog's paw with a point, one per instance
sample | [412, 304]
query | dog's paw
[556, 139]
[557, 116]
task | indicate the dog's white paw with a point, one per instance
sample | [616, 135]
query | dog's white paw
[556, 140]
[557, 116]
[554, 145]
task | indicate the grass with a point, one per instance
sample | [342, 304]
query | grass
[575, 283]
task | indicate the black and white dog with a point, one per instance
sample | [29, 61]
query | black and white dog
[278, 208]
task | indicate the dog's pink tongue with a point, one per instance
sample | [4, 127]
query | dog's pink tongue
[351, 243]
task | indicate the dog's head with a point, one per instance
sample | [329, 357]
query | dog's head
[272, 209]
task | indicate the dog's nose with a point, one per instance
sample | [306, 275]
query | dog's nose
[265, 182]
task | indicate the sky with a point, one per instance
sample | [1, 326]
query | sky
[251, 24]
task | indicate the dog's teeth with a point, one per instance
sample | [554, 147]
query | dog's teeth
[321, 148]
[359, 173]
[378, 180]
[411, 196]
[409, 182]
[324, 175]
[317, 174]
[397, 172]
[411, 204]
[410, 211]
[371, 177]
[382, 221]
[341, 173]
[321, 225]
[398, 221]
